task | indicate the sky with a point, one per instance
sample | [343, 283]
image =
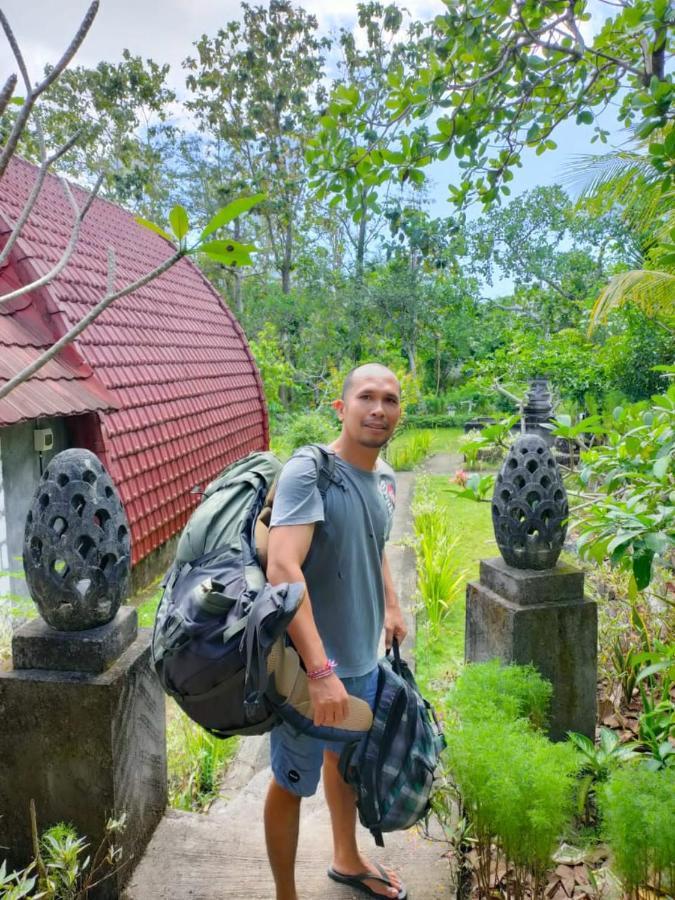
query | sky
[166, 29]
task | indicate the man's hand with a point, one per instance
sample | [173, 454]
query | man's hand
[394, 625]
[329, 700]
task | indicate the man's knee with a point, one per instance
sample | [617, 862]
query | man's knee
[277, 792]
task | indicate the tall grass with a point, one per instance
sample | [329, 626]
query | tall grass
[440, 579]
[409, 450]
[196, 762]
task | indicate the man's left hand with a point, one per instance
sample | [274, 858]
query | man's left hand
[394, 625]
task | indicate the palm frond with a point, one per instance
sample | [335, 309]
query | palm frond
[652, 291]
[622, 179]
[596, 171]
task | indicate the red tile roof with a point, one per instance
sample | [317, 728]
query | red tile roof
[171, 356]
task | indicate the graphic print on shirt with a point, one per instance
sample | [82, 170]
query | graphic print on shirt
[388, 492]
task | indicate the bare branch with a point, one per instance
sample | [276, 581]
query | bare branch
[502, 390]
[33, 93]
[6, 93]
[93, 314]
[37, 187]
[16, 50]
[62, 263]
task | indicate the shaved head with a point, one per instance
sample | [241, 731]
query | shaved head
[368, 370]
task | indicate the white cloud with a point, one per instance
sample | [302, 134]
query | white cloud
[162, 29]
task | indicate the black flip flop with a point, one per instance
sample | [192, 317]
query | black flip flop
[358, 882]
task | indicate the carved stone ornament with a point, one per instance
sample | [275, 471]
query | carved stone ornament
[77, 549]
[529, 506]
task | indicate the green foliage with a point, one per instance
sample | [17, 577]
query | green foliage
[16, 885]
[308, 428]
[196, 762]
[517, 791]
[275, 370]
[598, 761]
[492, 690]
[523, 71]
[630, 356]
[440, 579]
[227, 252]
[476, 487]
[426, 421]
[253, 88]
[408, 450]
[636, 469]
[638, 816]
[60, 870]
[656, 725]
[120, 111]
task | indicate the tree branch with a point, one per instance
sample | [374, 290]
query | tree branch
[45, 164]
[93, 314]
[75, 233]
[33, 93]
[6, 92]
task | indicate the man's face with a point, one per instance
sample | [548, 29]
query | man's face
[371, 409]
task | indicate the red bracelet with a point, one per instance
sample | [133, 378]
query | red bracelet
[324, 671]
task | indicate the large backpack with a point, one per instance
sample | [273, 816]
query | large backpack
[218, 618]
[392, 769]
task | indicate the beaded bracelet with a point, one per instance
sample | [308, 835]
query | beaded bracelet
[324, 671]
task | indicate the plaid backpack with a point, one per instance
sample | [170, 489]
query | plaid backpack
[392, 768]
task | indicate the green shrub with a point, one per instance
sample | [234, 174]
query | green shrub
[435, 420]
[517, 789]
[638, 811]
[308, 428]
[514, 692]
[64, 867]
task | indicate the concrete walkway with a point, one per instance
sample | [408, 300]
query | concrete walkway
[221, 854]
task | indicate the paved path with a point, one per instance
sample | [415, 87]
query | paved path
[221, 854]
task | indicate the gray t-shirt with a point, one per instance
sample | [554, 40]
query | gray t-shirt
[343, 568]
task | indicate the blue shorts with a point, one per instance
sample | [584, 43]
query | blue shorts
[297, 758]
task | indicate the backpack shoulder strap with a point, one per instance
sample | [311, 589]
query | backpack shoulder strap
[326, 468]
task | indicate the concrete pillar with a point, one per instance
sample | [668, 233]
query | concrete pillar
[83, 735]
[539, 617]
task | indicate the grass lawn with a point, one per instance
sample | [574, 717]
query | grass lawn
[438, 661]
[146, 603]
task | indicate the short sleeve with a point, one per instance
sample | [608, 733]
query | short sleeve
[297, 500]
[387, 486]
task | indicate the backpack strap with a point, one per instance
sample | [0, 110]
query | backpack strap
[326, 468]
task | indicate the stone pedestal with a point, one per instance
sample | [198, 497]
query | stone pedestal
[539, 617]
[84, 745]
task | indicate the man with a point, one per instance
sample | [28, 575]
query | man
[338, 552]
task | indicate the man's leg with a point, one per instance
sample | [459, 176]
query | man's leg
[342, 805]
[282, 822]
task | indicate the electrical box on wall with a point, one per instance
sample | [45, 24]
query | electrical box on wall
[43, 439]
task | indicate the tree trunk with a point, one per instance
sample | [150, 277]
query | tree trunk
[288, 259]
[410, 352]
[361, 240]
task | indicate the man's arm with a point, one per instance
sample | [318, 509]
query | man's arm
[287, 550]
[394, 623]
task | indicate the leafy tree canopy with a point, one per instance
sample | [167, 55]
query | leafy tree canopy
[496, 77]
